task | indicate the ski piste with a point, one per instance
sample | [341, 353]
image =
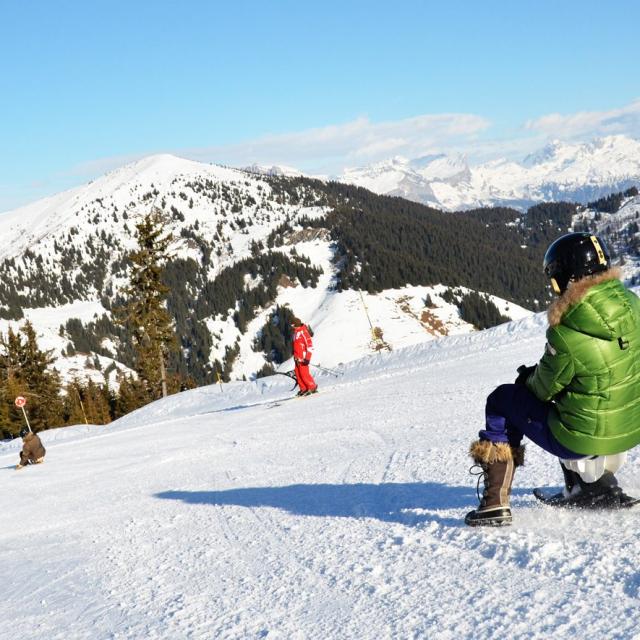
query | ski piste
[277, 403]
[605, 502]
[323, 518]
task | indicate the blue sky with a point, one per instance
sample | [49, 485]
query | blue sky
[87, 86]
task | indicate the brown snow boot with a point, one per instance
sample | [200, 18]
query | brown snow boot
[495, 464]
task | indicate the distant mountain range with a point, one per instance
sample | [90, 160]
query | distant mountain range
[560, 171]
[345, 257]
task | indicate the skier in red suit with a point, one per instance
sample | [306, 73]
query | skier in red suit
[302, 351]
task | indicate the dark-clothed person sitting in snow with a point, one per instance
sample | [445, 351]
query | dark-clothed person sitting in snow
[33, 450]
[582, 398]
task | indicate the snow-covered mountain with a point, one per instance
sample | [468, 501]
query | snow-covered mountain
[64, 257]
[272, 170]
[578, 172]
[52, 242]
[242, 515]
[622, 231]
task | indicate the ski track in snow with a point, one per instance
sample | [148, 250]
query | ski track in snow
[240, 515]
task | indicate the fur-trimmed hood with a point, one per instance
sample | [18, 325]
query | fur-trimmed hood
[601, 314]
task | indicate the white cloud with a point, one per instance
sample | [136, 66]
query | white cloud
[623, 120]
[358, 141]
[330, 149]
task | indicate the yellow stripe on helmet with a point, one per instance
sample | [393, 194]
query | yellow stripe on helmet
[596, 245]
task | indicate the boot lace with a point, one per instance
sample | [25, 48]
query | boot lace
[482, 475]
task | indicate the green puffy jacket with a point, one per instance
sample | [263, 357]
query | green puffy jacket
[591, 367]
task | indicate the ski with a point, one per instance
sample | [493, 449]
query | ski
[606, 501]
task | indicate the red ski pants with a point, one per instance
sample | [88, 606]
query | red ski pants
[304, 377]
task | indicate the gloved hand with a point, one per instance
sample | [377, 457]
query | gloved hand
[524, 372]
[306, 362]
[19, 466]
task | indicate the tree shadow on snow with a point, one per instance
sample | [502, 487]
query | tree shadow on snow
[409, 503]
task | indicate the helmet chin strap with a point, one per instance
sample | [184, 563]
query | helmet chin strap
[555, 286]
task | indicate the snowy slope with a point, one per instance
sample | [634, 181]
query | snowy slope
[39, 221]
[578, 172]
[47, 322]
[228, 208]
[273, 170]
[239, 514]
[115, 201]
[341, 320]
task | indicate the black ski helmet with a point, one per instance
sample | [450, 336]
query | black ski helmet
[574, 256]
[23, 432]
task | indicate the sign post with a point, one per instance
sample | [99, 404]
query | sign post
[20, 401]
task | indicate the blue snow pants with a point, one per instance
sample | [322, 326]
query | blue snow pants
[512, 412]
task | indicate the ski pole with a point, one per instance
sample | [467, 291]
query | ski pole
[291, 375]
[331, 371]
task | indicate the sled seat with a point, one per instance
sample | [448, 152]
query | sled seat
[592, 468]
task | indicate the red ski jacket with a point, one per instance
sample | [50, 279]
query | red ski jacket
[302, 343]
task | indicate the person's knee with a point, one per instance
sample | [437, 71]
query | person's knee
[501, 394]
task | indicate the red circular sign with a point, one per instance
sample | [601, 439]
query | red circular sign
[21, 401]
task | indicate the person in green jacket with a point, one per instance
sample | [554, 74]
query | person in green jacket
[583, 396]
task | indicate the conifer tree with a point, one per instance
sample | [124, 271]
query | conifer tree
[25, 370]
[144, 313]
[88, 402]
[96, 403]
[73, 404]
[132, 394]
[10, 383]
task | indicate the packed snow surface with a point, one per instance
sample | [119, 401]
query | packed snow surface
[239, 512]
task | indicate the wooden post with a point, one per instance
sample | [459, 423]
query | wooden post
[24, 413]
[82, 406]
[163, 372]
[376, 339]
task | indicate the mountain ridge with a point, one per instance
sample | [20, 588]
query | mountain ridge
[69, 252]
[246, 244]
[579, 172]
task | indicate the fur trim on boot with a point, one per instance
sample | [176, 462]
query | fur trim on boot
[486, 452]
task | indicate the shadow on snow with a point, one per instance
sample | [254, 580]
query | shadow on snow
[408, 503]
[249, 405]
